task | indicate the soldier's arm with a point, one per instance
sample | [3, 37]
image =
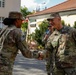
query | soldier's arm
[22, 46]
[48, 49]
[26, 51]
[48, 45]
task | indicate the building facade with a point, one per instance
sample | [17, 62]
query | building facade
[6, 6]
[67, 11]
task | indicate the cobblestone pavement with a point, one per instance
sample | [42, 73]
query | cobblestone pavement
[25, 66]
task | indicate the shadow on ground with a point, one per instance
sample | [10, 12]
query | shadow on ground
[25, 66]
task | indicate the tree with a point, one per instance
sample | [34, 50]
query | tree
[39, 32]
[24, 26]
[25, 11]
[63, 22]
[69, 25]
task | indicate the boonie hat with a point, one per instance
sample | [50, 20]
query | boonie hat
[53, 15]
[16, 15]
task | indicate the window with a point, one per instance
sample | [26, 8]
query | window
[33, 25]
[1, 20]
[32, 20]
[2, 3]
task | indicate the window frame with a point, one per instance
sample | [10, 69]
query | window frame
[2, 3]
[1, 20]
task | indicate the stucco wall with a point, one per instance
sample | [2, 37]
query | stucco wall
[10, 5]
[70, 19]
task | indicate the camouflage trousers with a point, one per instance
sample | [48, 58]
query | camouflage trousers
[49, 68]
[64, 71]
[49, 63]
[4, 70]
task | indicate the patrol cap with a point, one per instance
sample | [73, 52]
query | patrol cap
[16, 15]
[53, 15]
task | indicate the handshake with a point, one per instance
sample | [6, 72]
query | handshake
[40, 55]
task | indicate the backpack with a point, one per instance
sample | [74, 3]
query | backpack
[3, 34]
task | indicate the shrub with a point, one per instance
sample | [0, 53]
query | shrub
[74, 24]
[63, 23]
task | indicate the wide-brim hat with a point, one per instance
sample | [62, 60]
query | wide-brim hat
[16, 15]
[53, 15]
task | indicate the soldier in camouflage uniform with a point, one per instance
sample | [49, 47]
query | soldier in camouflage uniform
[12, 44]
[48, 53]
[62, 44]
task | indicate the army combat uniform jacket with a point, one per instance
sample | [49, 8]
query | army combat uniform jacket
[12, 44]
[63, 45]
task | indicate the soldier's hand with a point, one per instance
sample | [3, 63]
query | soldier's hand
[41, 56]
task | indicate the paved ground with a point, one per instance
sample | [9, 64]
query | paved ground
[24, 66]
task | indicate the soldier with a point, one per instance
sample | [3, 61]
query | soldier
[62, 44]
[12, 43]
[48, 53]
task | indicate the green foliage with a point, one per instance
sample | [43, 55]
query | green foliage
[75, 24]
[43, 26]
[33, 36]
[25, 11]
[39, 32]
[63, 23]
[38, 36]
[69, 25]
[24, 26]
[29, 37]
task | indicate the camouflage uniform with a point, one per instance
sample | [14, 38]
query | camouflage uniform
[49, 63]
[12, 44]
[63, 45]
[48, 55]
